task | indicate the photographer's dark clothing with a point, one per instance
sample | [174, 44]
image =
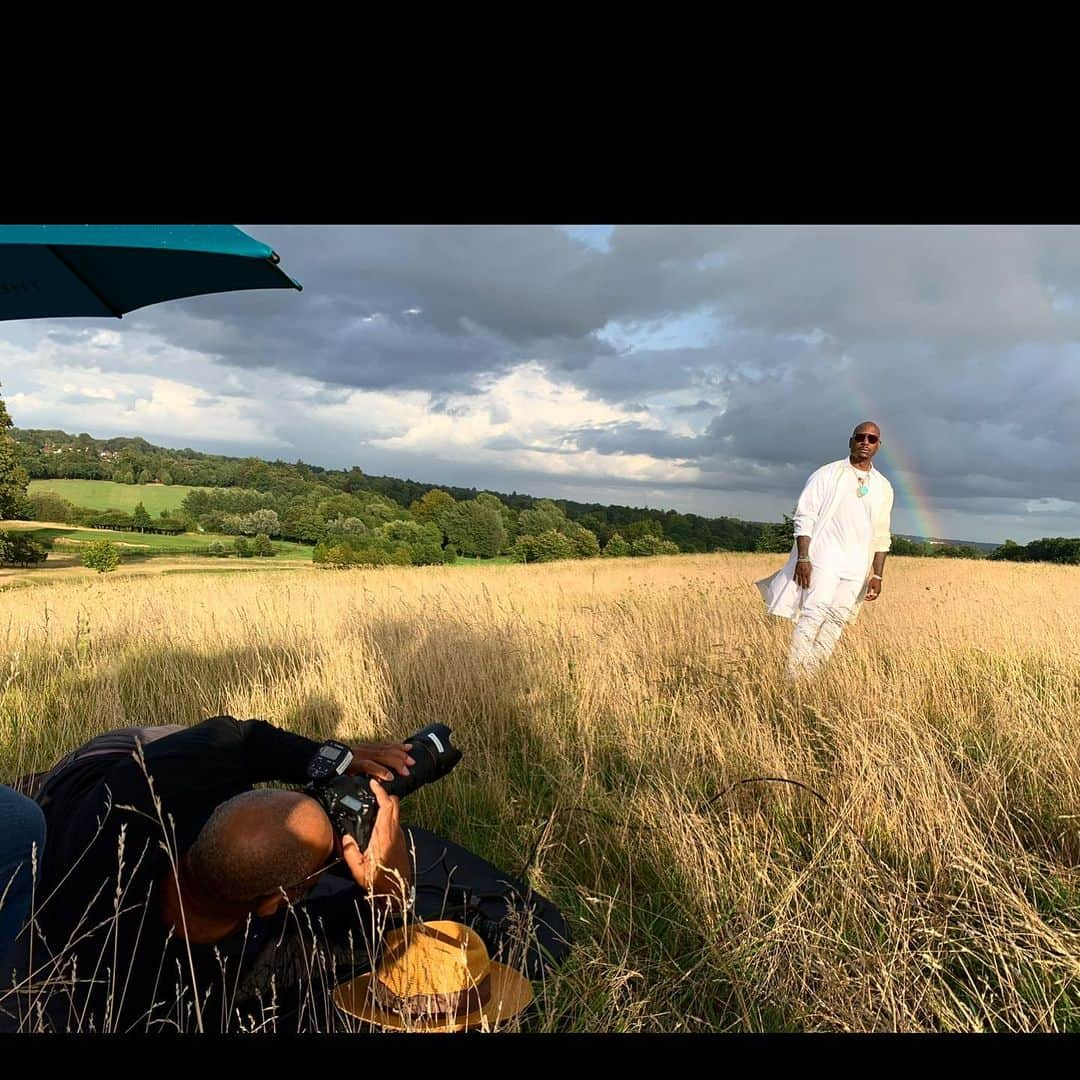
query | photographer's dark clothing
[130, 974]
[106, 860]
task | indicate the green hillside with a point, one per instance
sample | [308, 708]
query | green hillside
[146, 544]
[106, 495]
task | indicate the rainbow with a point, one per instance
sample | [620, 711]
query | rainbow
[897, 463]
[908, 488]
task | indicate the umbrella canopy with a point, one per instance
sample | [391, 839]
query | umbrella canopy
[48, 271]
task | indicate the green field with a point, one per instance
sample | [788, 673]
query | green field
[105, 495]
[147, 544]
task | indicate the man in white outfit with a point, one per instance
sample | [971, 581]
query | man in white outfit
[841, 538]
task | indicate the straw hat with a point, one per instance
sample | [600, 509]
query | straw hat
[435, 977]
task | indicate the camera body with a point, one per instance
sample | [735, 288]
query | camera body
[348, 800]
[349, 804]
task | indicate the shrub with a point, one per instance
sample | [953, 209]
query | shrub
[262, 546]
[48, 506]
[101, 556]
[544, 547]
[650, 544]
[18, 549]
[616, 547]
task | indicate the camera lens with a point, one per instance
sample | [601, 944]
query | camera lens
[434, 756]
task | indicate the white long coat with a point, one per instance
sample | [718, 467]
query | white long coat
[816, 506]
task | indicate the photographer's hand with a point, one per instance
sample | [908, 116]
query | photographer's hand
[384, 869]
[374, 757]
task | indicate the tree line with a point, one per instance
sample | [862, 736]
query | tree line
[351, 517]
[309, 499]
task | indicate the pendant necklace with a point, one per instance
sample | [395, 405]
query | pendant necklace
[862, 489]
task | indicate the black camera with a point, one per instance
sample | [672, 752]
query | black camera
[348, 800]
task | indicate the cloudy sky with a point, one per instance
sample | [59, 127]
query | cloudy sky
[708, 369]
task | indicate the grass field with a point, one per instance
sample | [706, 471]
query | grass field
[148, 544]
[628, 734]
[105, 495]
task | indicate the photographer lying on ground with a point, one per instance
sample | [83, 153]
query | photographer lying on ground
[123, 937]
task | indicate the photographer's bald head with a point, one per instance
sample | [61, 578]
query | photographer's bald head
[251, 857]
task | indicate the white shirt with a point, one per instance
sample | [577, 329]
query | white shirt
[840, 547]
[822, 496]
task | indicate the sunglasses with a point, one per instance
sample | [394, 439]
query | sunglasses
[864, 437]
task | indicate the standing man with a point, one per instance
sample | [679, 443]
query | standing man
[841, 539]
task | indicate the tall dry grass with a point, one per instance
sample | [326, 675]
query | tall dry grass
[617, 716]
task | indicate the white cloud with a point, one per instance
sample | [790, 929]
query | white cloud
[1051, 506]
[523, 412]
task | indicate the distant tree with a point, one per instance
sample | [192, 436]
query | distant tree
[548, 546]
[48, 506]
[426, 549]
[218, 548]
[342, 528]
[1056, 549]
[900, 545]
[165, 477]
[302, 521]
[140, 519]
[650, 544]
[954, 551]
[261, 521]
[101, 556]
[596, 523]
[330, 554]
[146, 476]
[229, 524]
[545, 516]
[430, 505]
[178, 519]
[787, 532]
[474, 528]
[582, 540]
[616, 547]
[13, 477]
[406, 531]
[771, 540]
[1010, 551]
[243, 550]
[262, 546]
[373, 510]
[644, 527]
[19, 549]
[509, 517]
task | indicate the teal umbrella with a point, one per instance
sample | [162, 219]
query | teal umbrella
[48, 271]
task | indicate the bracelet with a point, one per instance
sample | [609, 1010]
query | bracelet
[803, 558]
[878, 576]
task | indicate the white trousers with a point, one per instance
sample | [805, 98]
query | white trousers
[826, 607]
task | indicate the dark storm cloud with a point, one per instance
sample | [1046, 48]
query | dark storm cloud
[958, 341]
